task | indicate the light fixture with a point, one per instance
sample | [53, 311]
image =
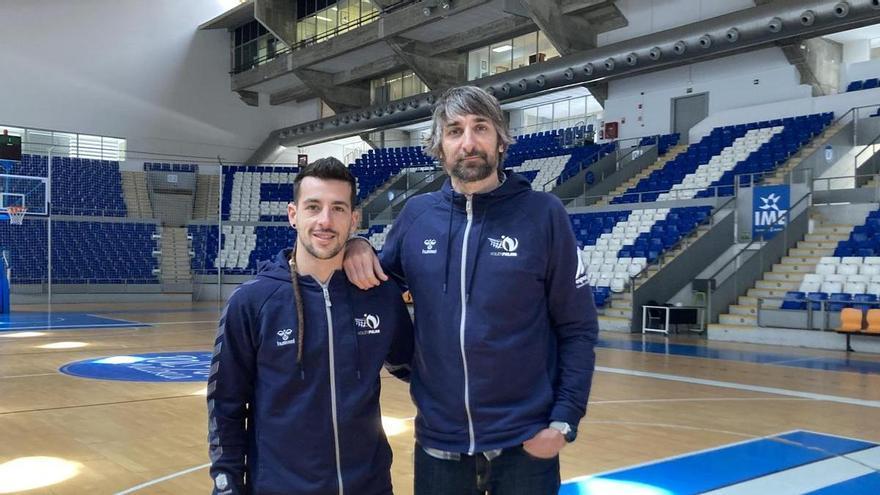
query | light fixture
[502, 48]
[322, 18]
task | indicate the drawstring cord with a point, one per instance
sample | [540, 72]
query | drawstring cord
[357, 347]
[297, 301]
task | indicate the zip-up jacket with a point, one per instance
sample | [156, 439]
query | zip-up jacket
[311, 428]
[505, 323]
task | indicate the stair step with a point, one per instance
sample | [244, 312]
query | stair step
[765, 293]
[740, 310]
[619, 313]
[833, 229]
[814, 237]
[817, 244]
[737, 320]
[785, 276]
[801, 260]
[777, 284]
[791, 268]
[811, 252]
[747, 300]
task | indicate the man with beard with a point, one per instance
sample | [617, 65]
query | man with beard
[293, 392]
[505, 323]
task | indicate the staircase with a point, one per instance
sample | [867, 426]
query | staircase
[787, 274]
[175, 274]
[819, 141]
[618, 316]
[205, 206]
[134, 190]
[657, 165]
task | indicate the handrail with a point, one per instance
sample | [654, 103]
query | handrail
[589, 162]
[873, 142]
[781, 220]
[711, 218]
[431, 176]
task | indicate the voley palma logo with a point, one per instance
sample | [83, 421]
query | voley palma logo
[369, 324]
[506, 246]
[429, 246]
[285, 336]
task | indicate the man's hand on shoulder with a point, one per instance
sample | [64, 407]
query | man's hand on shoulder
[362, 265]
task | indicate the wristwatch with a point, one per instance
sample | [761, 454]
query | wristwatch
[567, 431]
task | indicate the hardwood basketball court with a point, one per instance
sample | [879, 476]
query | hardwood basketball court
[652, 399]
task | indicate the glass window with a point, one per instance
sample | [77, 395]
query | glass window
[578, 107]
[560, 110]
[545, 117]
[545, 47]
[478, 63]
[523, 47]
[500, 57]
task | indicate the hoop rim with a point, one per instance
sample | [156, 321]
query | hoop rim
[16, 214]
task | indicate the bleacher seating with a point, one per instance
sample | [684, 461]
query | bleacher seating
[244, 247]
[708, 168]
[617, 246]
[375, 167]
[849, 279]
[171, 167]
[859, 85]
[80, 186]
[376, 234]
[84, 252]
[256, 193]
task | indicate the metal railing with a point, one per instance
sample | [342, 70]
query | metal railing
[735, 262]
[684, 242]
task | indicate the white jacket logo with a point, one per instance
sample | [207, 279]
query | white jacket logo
[369, 324]
[506, 246]
[286, 337]
[429, 246]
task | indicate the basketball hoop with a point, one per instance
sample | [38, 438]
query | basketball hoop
[16, 214]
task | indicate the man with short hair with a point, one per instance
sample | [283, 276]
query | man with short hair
[293, 393]
[504, 319]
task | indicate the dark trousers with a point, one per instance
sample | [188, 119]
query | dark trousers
[514, 472]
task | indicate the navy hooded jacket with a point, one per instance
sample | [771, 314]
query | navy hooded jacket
[276, 427]
[505, 322]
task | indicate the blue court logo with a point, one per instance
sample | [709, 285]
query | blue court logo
[154, 367]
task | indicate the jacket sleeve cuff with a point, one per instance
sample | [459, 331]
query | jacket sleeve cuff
[566, 414]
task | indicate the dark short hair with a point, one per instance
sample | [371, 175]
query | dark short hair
[326, 169]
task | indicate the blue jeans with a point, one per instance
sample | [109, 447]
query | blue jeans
[514, 472]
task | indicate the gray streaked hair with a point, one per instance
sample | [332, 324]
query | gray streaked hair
[461, 101]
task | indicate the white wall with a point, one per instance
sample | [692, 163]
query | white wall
[137, 69]
[651, 16]
[729, 82]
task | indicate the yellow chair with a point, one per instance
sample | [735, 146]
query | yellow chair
[851, 320]
[873, 321]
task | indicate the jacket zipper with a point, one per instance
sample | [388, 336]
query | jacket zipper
[327, 306]
[464, 246]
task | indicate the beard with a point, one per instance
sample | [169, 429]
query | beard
[324, 253]
[473, 170]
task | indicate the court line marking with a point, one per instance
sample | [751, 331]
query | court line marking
[697, 399]
[742, 386]
[107, 325]
[160, 480]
